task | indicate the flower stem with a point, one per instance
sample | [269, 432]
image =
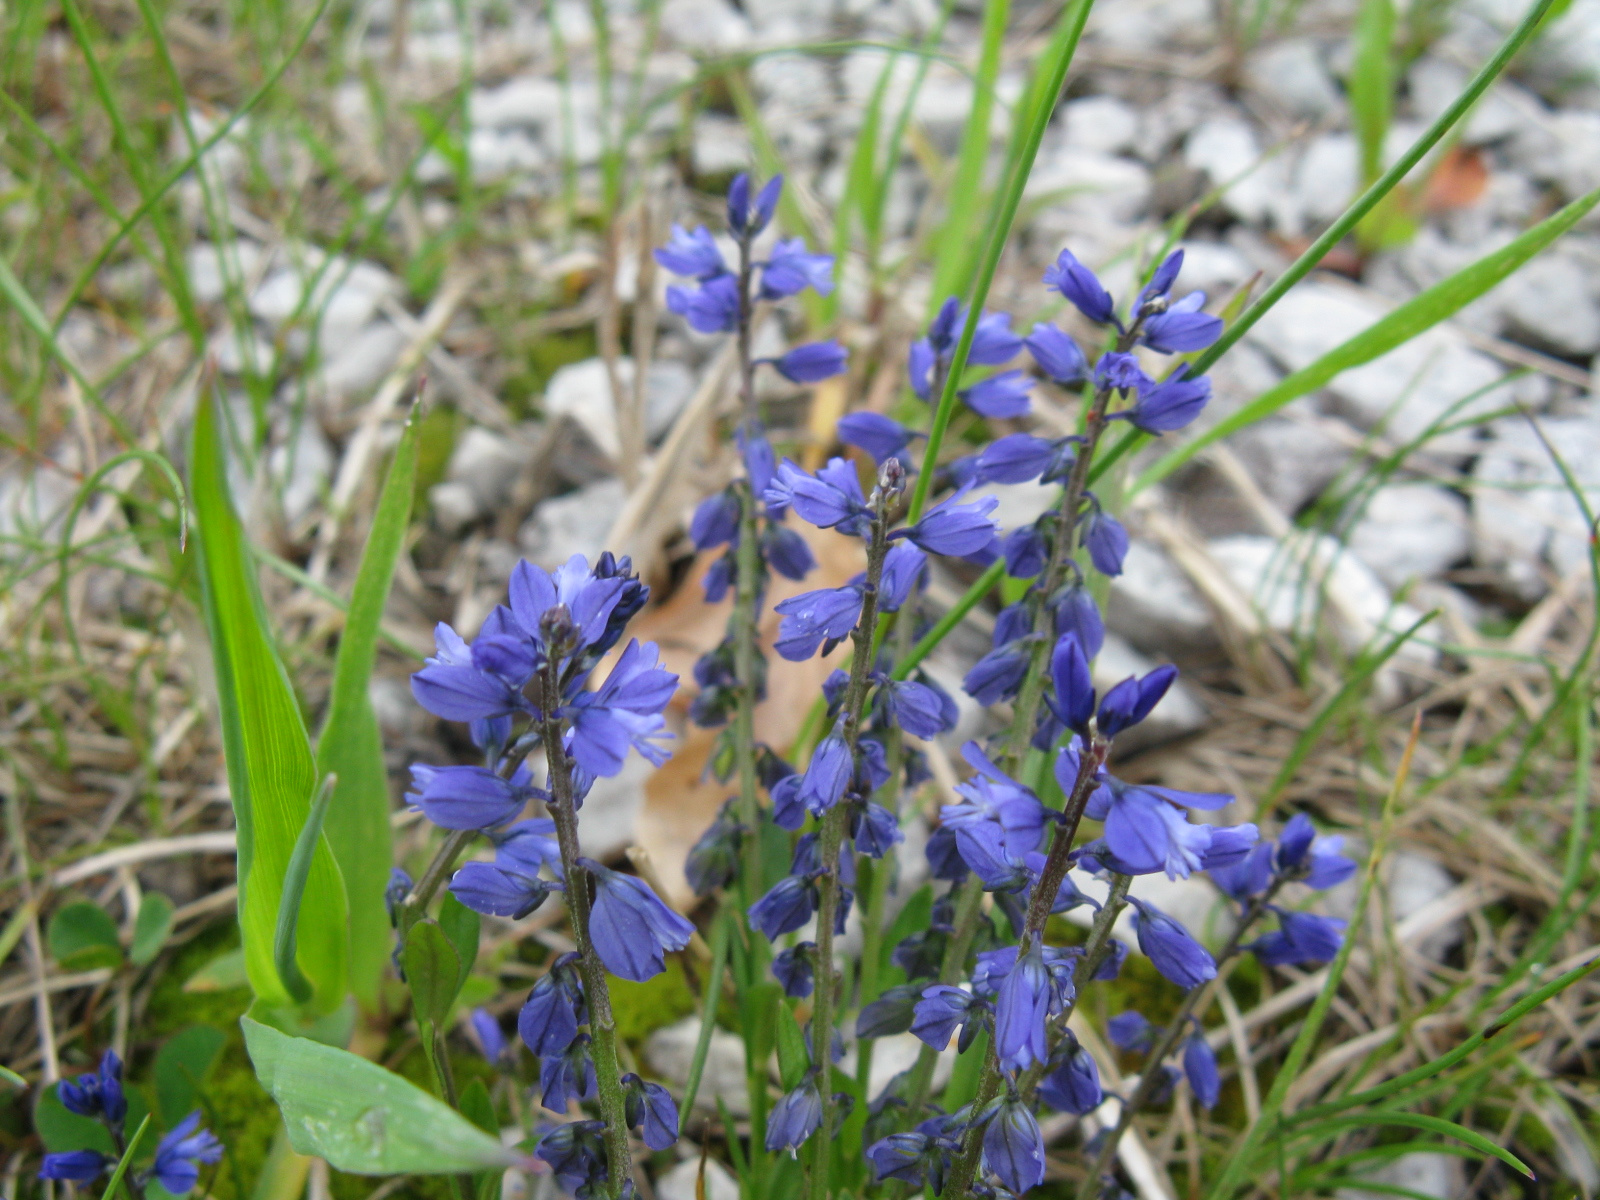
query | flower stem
[833, 829]
[1196, 999]
[597, 996]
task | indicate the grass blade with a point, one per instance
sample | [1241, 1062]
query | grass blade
[1372, 83]
[271, 773]
[126, 1160]
[1418, 1121]
[351, 746]
[1422, 312]
[708, 1012]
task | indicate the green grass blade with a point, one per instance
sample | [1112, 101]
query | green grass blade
[708, 1011]
[271, 773]
[1422, 312]
[351, 746]
[1372, 83]
[955, 245]
[1416, 1121]
[126, 1160]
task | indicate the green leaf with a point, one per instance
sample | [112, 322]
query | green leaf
[61, 1130]
[351, 746]
[793, 1061]
[11, 1077]
[477, 1107]
[223, 973]
[760, 1012]
[83, 935]
[286, 929]
[151, 928]
[433, 971]
[123, 1163]
[461, 926]
[1441, 301]
[1372, 83]
[271, 773]
[1376, 1117]
[361, 1118]
[180, 1070]
[720, 937]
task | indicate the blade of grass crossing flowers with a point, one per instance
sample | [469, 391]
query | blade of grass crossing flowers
[708, 1013]
[1051, 69]
[1242, 1160]
[271, 773]
[351, 746]
[1422, 312]
[123, 1163]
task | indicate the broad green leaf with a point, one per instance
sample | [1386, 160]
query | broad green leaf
[1440, 302]
[760, 1013]
[83, 935]
[461, 926]
[151, 928]
[223, 973]
[351, 746]
[793, 1061]
[433, 971]
[361, 1118]
[180, 1070]
[271, 773]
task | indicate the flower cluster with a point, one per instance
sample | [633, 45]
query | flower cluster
[528, 681]
[100, 1096]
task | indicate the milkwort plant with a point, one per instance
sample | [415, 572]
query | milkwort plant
[982, 966]
[523, 685]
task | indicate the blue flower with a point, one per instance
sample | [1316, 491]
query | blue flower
[1073, 1082]
[76, 1166]
[923, 710]
[491, 1038]
[795, 1118]
[1021, 1008]
[827, 775]
[1160, 285]
[630, 927]
[713, 307]
[914, 1158]
[1200, 1065]
[891, 1013]
[1106, 540]
[591, 598]
[904, 568]
[830, 499]
[1079, 285]
[1301, 939]
[1168, 945]
[576, 1153]
[550, 1017]
[1250, 876]
[880, 436]
[1146, 829]
[993, 343]
[1131, 701]
[497, 892]
[876, 830]
[623, 712]
[1078, 614]
[941, 1010]
[787, 906]
[1004, 395]
[98, 1093]
[1119, 371]
[181, 1151]
[993, 795]
[1171, 405]
[1130, 1031]
[790, 270]
[528, 846]
[691, 254]
[955, 529]
[1182, 327]
[792, 968]
[713, 861]
[982, 846]
[715, 521]
[1315, 861]
[1026, 552]
[744, 219]
[1013, 1147]
[650, 1108]
[1073, 701]
[470, 797]
[812, 362]
[1057, 354]
[467, 684]
[1016, 458]
[813, 618]
[998, 674]
[567, 1076]
[786, 552]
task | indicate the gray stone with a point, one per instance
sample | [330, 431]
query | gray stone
[1213, 268]
[576, 523]
[701, 25]
[582, 391]
[1576, 166]
[1227, 150]
[720, 145]
[1420, 1173]
[682, 1182]
[1524, 520]
[1102, 124]
[212, 266]
[1405, 390]
[1292, 76]
[342, 298]
[1327, 176]
[300, 467]
[1549, 304]
[526, 102]
[1138, 24]
[1291, 456]
[1020, 503]
[1083, 184]
[1410, 531]
[670, 1052]
[487, 463]
[453, 505]
[1155, 607]
[359, 365]
[497, 154]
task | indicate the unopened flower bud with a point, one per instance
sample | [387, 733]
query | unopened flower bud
[557, 630]
[891, 477]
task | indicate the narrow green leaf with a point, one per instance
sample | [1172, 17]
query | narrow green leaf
[181, 1067]
[708, 1009]
[11, 1077]
[82, 935]
[294, 889]
[433, 971]
[151, 928]
[123, 1163]
[1381, 1116]
[1372, 83]
[793, 1061]
[461, 926]
[271, 773]
[1438, 303]
[351, 745]
[760, 1012]
[361, 1118]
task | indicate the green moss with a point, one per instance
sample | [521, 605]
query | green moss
[541, 359]
[642, 1008]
